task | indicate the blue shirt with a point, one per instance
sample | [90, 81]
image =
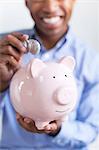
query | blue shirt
[83, 124]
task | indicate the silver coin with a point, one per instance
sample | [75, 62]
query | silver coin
[32, 46]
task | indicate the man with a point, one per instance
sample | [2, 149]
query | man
[57, 40]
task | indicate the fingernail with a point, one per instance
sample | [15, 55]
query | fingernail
[26, 36]
[27, 120]
[49, 128]
[23, 49]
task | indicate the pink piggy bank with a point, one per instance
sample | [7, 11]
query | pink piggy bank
[44, 91]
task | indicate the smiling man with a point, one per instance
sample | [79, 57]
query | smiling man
[51, 19]
[55, 35]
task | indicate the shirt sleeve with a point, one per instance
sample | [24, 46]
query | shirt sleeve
[2, 95]
[83, 129]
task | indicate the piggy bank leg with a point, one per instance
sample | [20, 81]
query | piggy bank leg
[41, 125]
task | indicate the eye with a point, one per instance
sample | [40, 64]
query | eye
[65, 75]
[53, 76]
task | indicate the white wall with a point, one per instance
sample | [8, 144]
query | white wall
[85, 20]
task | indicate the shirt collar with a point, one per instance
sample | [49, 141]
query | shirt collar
[67, 38]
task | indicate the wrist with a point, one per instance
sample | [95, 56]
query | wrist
[3, 86]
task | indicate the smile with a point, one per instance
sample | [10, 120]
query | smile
[52, 20]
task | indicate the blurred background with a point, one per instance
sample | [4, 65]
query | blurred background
[85, 23]
[85, 20]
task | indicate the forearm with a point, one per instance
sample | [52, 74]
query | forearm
[1, 119]
[1, 111]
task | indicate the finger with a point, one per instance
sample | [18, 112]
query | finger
[5, 74]
[7, 59]
[31, 125]
[54, 126]
[28, 126]
[27, 120]
[20, 36]
[22, 123]
[9, 50]
[5, 40]
[18, 115]
[51, 127]
[15, 42]
[48, 127]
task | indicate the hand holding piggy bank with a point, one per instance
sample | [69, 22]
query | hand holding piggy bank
[44, 91]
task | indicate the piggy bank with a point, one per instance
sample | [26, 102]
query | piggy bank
[44, 91]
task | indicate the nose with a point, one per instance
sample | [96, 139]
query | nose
[50, 6]
[62, 96]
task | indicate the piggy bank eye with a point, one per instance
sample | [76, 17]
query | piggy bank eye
[65, 75]
[53, 76]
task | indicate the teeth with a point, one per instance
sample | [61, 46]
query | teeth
[52, 20]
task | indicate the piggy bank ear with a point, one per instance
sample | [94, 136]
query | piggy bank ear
[68, 61]
[36, 66]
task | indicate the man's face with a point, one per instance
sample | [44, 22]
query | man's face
[51, 16]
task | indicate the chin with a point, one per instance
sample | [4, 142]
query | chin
[53, 33]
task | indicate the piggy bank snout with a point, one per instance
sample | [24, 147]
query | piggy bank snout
[62, 96]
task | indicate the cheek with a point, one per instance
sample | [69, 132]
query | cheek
[68, 7]
[34, 10]
[69, 3]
